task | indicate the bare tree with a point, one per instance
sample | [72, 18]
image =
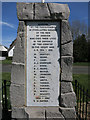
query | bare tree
[78, 28]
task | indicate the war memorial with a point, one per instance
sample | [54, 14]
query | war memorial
[42, 63]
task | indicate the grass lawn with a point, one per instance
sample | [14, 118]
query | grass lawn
[6, 76]
[81, 64]
[6, 61]
[83, 79]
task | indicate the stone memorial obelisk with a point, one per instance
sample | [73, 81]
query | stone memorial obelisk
[42, 63]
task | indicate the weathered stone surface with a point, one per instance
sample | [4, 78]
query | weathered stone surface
[53, 113]
[19, 49]
[21, 27]
[42, 112]
[19, 113]
[59, 11]
[68, 113]
[68, 100]
[67, 49]
[25, 11]
[41, 11]
[29, 11]
[17, 94]
[36, 112]
[66, 65]
[18, 73]
[66, 87]
[66, 32]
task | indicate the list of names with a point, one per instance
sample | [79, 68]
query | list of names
[42, 63]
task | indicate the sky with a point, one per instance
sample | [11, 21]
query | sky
[78, 11]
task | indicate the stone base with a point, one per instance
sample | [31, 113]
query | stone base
[35, 112]
[40, 113]
[53, 113]
[68, 113]
[19, 113]
[44, 113]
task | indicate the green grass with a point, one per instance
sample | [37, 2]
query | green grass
[83, 80]
[6, 61]
[6, 76]
[81, 64]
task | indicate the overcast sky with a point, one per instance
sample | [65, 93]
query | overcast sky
[78, 11]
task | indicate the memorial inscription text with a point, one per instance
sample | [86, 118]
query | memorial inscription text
[43, 63]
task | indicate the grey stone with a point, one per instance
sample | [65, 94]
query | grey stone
[19, 113]
[53, 113]
[17, 94]
[21, 27]
[41, 11]
[66, 32]
[66, 87]
[67, 49]
[66, 65]
[68, 113]
[59, 11]
[35, 112]
[29, 11]
[68, 100]
[19, 52]
[18, 73]
[25, 11]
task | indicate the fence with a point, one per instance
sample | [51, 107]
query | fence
[6, 112]
[83, 101]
